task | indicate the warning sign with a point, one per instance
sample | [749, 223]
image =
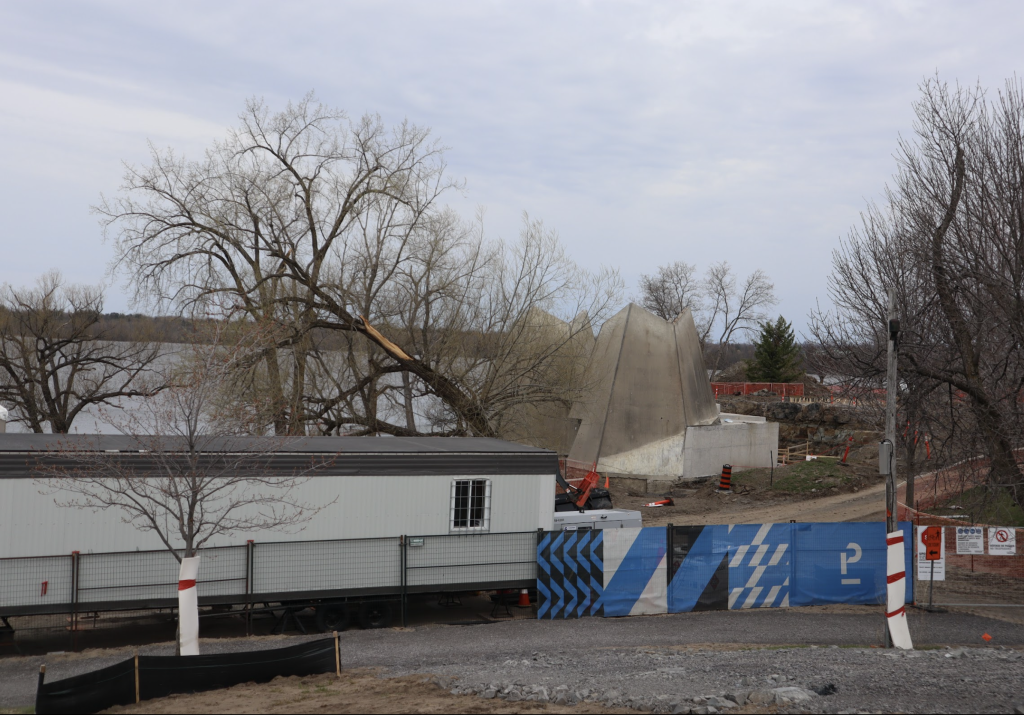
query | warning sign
[970, 540]
[1002, 541]
[933, 537]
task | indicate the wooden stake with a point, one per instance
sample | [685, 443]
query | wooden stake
[337, 655]
[136, 677]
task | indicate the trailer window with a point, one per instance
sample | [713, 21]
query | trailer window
[471, 505]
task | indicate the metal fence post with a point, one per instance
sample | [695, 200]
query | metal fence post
[403, 544]
[74, 599]
[669, 555]
[536, 553]
[250, 545]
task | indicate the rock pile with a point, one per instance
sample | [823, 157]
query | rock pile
[772, 692]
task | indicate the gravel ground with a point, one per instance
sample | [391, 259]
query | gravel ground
[664, 662]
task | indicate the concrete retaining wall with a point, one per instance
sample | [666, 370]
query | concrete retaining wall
[744, 445]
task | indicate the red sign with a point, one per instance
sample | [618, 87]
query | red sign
[932, 538]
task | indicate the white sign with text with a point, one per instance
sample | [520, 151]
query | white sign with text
[970, 540]
[1002, 541]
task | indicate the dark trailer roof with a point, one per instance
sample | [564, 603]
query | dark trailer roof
[31, 455]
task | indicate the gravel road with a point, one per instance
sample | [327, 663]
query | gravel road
[664, 662]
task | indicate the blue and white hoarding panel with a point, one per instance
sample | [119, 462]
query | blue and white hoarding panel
[717, 567]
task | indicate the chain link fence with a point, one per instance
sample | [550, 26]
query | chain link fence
[982, 564]
[984, 580]
[58, 598]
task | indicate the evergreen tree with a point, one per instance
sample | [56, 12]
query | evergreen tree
[776, 354]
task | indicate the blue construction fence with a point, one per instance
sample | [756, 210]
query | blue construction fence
[623, 572]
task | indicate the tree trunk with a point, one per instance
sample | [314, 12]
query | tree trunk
[277, 401]
[296, 421]
[410, 417]
[1005, 470]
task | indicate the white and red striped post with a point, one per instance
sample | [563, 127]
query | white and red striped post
[188, 606]
[896, 591]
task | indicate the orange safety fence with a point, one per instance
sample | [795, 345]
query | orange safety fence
[963, 583]
[575, 471]
[784, 389]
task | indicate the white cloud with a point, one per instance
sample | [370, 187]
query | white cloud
[643, 132]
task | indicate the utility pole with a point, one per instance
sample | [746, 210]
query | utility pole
[891, 383]
[893, 326]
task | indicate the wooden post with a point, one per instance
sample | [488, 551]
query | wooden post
[136, 677]
[337, 655]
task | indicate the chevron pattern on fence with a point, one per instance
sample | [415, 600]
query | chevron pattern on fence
[570, 581]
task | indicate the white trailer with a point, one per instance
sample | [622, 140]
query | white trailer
[585, 520]
[405, 515]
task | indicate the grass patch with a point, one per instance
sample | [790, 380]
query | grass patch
[817, 474]
[983, 505]
[799, 477]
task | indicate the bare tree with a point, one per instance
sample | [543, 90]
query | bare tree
[497, 319]
[327, 227]
[56, 359]
[949, 239]
[728, 311]
[720, 309]
[186, 480]
[673, 288]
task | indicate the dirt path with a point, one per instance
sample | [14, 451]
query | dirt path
[867, 504]
[356, 691]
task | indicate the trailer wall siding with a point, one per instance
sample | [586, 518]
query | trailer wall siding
[272, 572]
[293, 567]
[358, 507]
[466, 559]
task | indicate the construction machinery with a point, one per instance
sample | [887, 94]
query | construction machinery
[586, 497]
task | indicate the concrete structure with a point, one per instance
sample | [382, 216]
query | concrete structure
[562, 351]
[652, 415]
[373, 487]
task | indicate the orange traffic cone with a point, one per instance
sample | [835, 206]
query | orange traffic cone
[725, 483]
[524, 598]
[667, 501]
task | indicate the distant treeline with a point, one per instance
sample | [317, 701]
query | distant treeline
[128, 327]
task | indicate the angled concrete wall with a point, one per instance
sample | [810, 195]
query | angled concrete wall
[651, 411]
[601, 376]
[698, 398]
[562, 351]
[646, 401]
[649, 385]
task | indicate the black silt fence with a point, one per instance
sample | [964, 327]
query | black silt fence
[148, 677]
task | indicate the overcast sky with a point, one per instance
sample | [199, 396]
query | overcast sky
[643, 133]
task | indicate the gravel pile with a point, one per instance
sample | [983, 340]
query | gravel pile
[831, 680]
[806, 660]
